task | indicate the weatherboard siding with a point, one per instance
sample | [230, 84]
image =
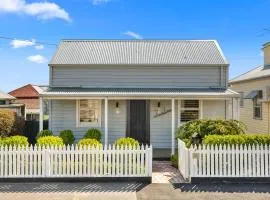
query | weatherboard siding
[63, 116]
[254, 126]
[139, 76]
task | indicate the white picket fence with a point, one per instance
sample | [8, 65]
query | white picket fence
[224, 161]
[75, 161]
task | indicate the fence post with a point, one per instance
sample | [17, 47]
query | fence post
[150, 160]
[47, 161]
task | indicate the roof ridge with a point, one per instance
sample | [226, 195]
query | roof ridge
[232, 80]
[137, 40]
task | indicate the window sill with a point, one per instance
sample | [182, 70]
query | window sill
[257, 118]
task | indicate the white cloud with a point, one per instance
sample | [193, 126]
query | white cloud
[41, 10]
[98, 2]
[133, 34]
[37, 59]
[22, 43]
[39, 47]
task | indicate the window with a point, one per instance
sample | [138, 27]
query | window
[257, 109]
[241, 99]
[89, 112]
[188, 110]
[2, 102]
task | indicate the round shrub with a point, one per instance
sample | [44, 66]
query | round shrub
[89, 142]
[15, 141]
[93, 133]
[50, 141]
[210, 127]
[126, 142]
[237, 139]
[44, 133]
[67, 136]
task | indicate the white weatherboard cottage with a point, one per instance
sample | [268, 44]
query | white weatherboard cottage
[143, 89]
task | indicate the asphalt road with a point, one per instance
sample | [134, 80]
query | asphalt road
[132, 191]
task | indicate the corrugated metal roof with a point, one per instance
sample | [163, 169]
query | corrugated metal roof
[5, 96]
[181, 52]
[258, 72]
[75, 92]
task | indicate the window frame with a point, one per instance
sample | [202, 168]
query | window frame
[257, 104]
[199, 109]
[88, 124]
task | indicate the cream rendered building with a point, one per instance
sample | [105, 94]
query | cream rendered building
[254, 88]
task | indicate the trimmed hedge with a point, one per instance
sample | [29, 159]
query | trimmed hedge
[15, 141]
[44, 133]
[210, 127]
[237, 139]
[93, 133]
[126, 142]
[67, 136]
[89, 142]
[50, 141]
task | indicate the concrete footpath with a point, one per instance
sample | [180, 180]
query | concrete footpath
[204, 191]
[69, 191]
[132, 191]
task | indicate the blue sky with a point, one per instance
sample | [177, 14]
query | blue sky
[239, 27]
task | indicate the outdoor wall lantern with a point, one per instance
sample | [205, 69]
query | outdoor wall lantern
[158, 108]
[117, 109]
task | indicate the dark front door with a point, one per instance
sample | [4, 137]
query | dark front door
[138, 121]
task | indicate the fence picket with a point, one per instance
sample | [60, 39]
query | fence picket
[224, 155]
[266, 160]
[229, 158]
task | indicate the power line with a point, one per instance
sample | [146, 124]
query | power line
[44, 43]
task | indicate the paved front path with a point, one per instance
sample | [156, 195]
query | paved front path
[164, 172]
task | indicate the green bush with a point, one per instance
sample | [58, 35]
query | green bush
[10, 123]
[67, 136]
[50, 141]
[89, 142]
[126, 142]
[174, 160]
[210, 127]
[237, 139]
[15, 141]
[93, 133]
[44, 133]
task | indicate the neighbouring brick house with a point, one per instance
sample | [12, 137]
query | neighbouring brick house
[29, 96]
[9, 102]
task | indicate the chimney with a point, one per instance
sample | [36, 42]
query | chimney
[266, 52]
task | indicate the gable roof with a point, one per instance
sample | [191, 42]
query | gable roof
[156, 52]
[256, 73]
[28, 90]
[4, 96]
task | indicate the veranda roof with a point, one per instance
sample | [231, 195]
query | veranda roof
[137, 92]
